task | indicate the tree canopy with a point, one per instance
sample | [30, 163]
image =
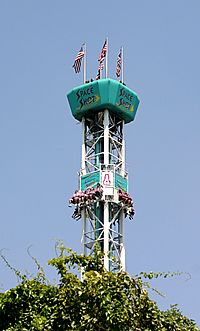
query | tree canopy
[101, 301]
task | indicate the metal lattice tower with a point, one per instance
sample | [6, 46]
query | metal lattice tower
[102, 201]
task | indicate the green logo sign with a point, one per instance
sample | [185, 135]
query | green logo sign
[90, 180]
[87, 96]
[121, 182]
[125, 99]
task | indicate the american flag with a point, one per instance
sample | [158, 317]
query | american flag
[102, 55]
[119, 63]
[98, 76]
[78, 59]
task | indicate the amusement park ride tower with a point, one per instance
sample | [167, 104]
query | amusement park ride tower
[102, 202]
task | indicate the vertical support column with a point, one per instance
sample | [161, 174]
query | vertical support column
[83, 242]
[106, 137]
[123, 150]
[122, 217]
[106, 220]
[106, 234]
[84, 64]
[121, 240]
[107, 59]
[84, 230]
[122, 50]
[83, 172]
[83, 163]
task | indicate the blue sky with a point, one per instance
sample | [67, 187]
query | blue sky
[40, 141]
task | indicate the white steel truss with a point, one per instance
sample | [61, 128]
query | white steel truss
[103, 220]
[93, 144]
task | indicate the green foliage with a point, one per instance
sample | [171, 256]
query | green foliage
[102, 301]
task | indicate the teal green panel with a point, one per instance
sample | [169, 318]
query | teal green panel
[102, 94]
[90, 180]
[84, 98]
[121, 182]
[127, 102]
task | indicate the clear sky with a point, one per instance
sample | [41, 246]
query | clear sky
[40, 141]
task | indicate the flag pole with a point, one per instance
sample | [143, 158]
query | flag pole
[122, 64]
[107, 58]
[100, 71]
[84, 64]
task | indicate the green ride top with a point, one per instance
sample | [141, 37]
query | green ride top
[89, 98]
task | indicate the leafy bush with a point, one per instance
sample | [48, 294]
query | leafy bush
[101, 301]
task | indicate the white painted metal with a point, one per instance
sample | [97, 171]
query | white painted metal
[107, 59]
[103, 140]
[106, 229]
[106, 203]
[83, 165]
[123, 151]
[122, 246]
[122, 65]
[84, 230]
[121, 220]
[84, 64]
[106, 137]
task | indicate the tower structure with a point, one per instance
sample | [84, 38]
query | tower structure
[102, 201]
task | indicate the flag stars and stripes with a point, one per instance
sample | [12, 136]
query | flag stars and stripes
[103, 51]
[101, 59]
[98, 76]
[77, 61]
[119, 63]
[102, 56]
